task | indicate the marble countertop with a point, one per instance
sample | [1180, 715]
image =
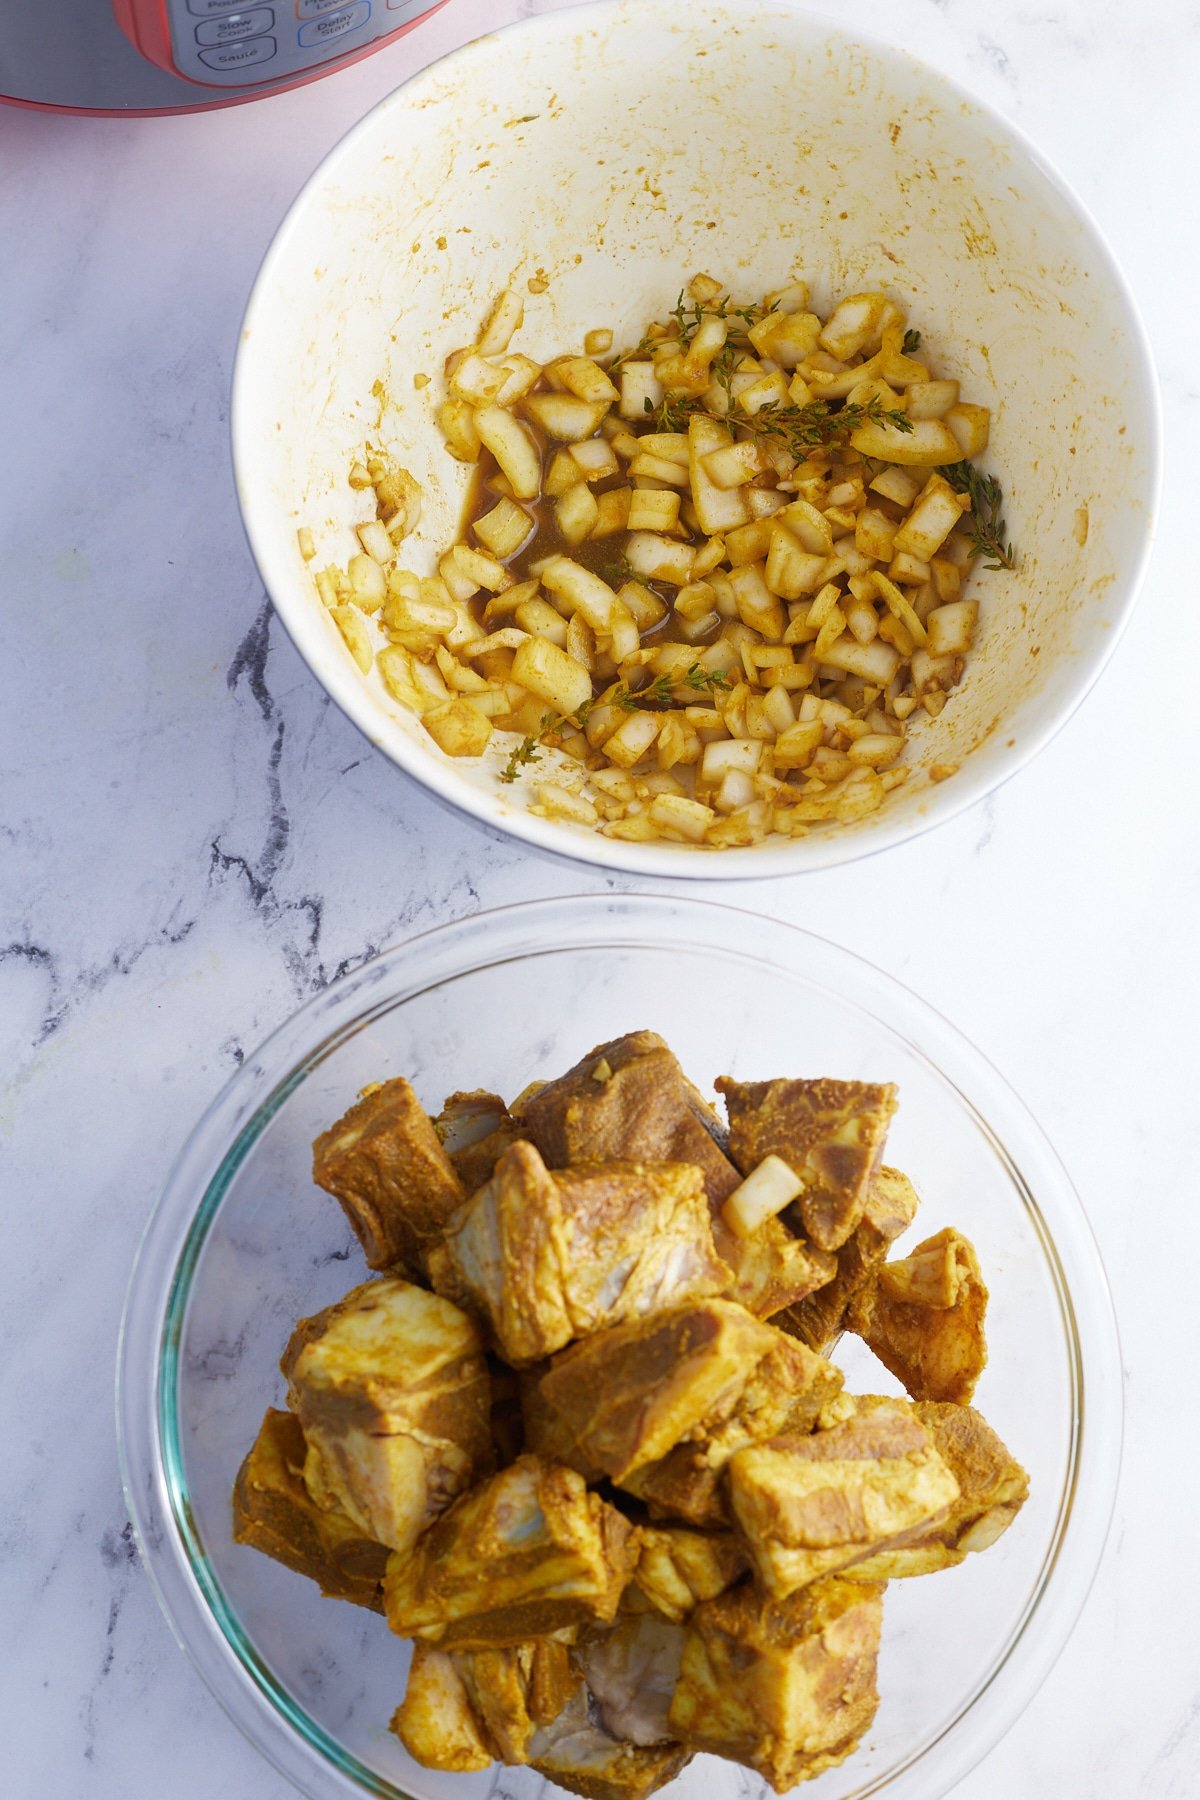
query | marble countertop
[193, 840]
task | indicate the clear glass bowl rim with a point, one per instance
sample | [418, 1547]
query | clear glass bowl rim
[206, 1627]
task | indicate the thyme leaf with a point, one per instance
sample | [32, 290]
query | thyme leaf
[912, 341]
[987, 525]
[528, 750]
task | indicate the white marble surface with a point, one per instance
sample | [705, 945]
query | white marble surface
[192, 840]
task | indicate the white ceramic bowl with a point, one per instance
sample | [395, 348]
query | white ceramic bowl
[618, 148]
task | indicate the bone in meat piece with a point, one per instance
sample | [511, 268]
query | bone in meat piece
[787, 1390]
[628, 1098]
[464, 1709]
[577, 1753]
[392, 1390]
[547, 1258]
[786, 1687]
[678, 1568]
[819, 1319]
[631, 1671]
[385, 1163]
[923, 1316]
[993, 1487]
[830, 1133]
[771, 1269]
[626, 1396]
[528, 1553]
[475, 1130]
[274, 1512]
[811, 1506]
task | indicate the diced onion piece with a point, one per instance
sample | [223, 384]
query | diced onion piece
[576, 513]
[930, 399]
[757, 606]
[564, 416]
[718, 509]
[765, 390]
[612, 511]
[670, 446]
[951, 628]
[520, 374]
[594, 458]
[477, 380]
[676, 813]
[644, 607]
[552, 675]
[560, 803]
[795, 747]
[641, 390]
[930, 442]
[373, 536]
[513, 449]
[632, 739]
[932, 519]
[907, 568]
[876, 662]
[509, 638]
[897, 484]
[540, 619]
[658, 558]
[970, 426]
[624, 637]
[874, 533]
[899, 607]
[368, 584]
[564, 472]
[305, 544]
[743, 754]
[586, 379]
[458, 728]
[457, 421]
[875, 749]
[653, 509]
[505, 318]
[765, 1192]
[735, 465]
[583, 591]
[810, 528]
[504, 529]
[596, 342]
[657, 468]
[852, 324]
[354, 632]
[791, 572]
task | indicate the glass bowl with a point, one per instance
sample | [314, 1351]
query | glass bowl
[242, 1243]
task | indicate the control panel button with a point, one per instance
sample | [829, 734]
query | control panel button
[235, 26]
[410, 8]
[334, 25]
[207, 9]
[315, 9]
[229, 57]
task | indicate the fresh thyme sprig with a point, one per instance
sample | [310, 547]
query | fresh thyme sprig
[798, 428]
[658, 693]
[987, 525]
[528, 750]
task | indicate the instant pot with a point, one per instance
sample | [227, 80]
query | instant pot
[164, 56]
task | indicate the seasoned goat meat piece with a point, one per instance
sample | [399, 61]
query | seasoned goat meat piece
[923, 1316]
[475, 1130]
[385, 1163]
[464, 1709]
[436, 1721]
[628, 1099]
[528, 1553]
[626, 1396]
[547, 1258]
[631, 1671]
[771, 1269]
[274, 1512]
[993, 1487]
[578, 1754]
[819, 1319]
[677, 1568]
[787, 1389]
[812, 1506]
[831, 1133]
[786, 1687]
[392, 1390]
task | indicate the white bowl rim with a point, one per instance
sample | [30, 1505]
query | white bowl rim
[946, 801]
[264, 1079]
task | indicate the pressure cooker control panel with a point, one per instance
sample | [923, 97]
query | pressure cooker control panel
[228, 43]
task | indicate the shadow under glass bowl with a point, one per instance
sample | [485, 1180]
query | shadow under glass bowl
[242, 1244]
